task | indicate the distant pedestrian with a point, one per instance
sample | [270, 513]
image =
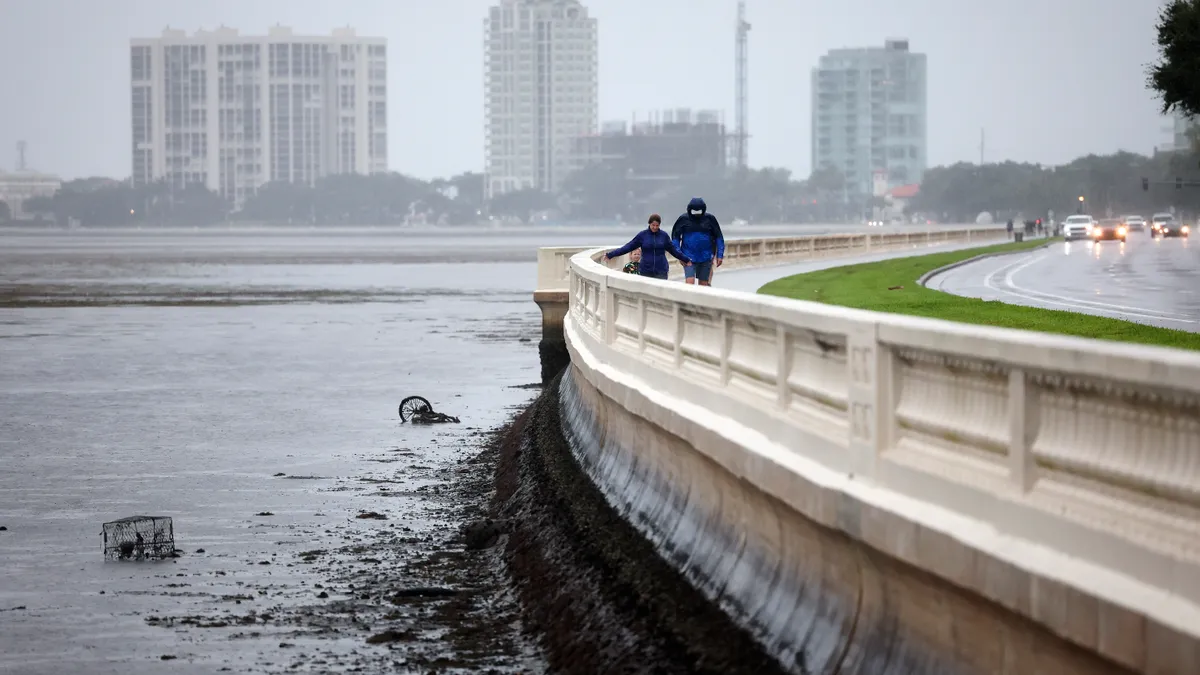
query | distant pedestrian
[634, 264]
[654, 245]
[698, 234]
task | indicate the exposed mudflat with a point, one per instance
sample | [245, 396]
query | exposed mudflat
[390, 593]
[255, 405]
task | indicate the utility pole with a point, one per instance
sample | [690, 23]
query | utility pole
[21, 146]
[741, 134]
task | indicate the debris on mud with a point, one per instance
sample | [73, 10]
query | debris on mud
[418, 410]
[422, 592]
[483, 534]
[391, 636]
[139, 538]
[413, 586]
[430, 417]
[264, 513]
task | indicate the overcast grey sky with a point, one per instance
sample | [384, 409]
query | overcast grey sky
[1049, 79]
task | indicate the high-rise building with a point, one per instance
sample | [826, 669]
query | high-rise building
[670, 145]
[1180, 132]
[540, 91]
[868, 116]
[657, 153]
[233, 112]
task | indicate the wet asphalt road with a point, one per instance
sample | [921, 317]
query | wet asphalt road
[752, 279]
[1146, 280]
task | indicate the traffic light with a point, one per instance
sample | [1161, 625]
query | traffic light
[1146, 184]
[1178, 183]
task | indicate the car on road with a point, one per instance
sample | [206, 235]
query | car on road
[1158, 219]
[1077, 227]
[1109, 228]
[1165, 225]
[1135, 223]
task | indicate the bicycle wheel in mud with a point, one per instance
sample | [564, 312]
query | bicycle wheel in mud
[412, 405]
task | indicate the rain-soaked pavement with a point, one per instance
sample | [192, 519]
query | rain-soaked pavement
[1145, 280]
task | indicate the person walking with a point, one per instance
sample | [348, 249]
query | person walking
[698, 234]
[655, 244]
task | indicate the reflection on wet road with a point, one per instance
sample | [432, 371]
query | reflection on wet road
[1150, 281]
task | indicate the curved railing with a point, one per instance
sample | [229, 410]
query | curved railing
[768, 251]
[1069, 468]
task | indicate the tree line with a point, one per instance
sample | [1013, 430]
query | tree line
[956, 193]
[1109, 184]
[383, 199]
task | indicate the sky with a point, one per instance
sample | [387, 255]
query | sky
[1049, 80]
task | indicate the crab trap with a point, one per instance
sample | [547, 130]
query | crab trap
[139, 538]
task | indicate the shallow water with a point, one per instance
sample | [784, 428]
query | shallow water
[110, 410]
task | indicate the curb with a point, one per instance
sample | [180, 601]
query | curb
[924, 278]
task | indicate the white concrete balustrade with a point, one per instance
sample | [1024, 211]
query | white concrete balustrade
[1074, 460]
[552, 260]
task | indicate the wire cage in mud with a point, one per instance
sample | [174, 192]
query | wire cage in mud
[139, 538]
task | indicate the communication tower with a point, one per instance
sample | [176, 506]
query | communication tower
[740, 133]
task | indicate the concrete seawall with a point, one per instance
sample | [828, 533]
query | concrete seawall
[552, 348]
[863, 492]
[591, 587]
[815, 599]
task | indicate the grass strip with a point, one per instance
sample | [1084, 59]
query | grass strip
[891, 286]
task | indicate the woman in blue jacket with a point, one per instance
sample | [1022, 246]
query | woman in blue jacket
[655, 244]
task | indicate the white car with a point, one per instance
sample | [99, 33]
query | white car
[1078, 227]
[1135, 223]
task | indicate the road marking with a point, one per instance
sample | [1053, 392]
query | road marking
[1066, 301]
[1009, 280]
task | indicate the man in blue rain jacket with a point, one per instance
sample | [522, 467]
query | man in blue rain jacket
[655, 244]
[698, 234]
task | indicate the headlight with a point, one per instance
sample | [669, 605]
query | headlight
[1095, 233]
[1184, 229]
[1121, 231]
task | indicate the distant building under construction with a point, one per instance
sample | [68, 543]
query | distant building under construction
[671, 145]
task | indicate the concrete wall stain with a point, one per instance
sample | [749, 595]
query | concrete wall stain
[813, 598]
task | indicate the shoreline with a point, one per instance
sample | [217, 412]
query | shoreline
[592, 588]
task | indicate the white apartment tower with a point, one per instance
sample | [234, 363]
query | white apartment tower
[541, 91]
[869, 115]
[234, 112]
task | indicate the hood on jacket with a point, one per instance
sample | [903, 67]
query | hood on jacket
[697, 204]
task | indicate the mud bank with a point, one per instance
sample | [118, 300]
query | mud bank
[594, 589]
